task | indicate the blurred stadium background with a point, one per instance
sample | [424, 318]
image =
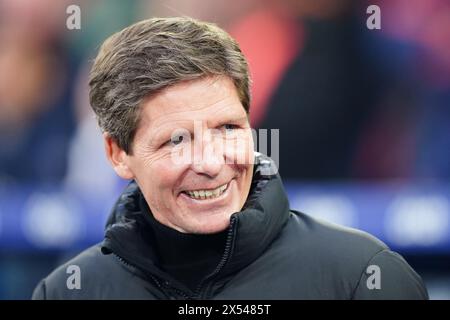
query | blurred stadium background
[364, 119]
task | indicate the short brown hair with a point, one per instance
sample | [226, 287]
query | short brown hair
[151, 55]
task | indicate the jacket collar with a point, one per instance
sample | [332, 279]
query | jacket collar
[251, 230]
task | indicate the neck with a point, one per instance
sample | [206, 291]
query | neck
[187, 257]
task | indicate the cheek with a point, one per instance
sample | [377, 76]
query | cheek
[240, 150]
[155, 170]
[165, 176]
[160, 183]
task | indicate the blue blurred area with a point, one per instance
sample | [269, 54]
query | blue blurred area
[50, 225]
[410, 219]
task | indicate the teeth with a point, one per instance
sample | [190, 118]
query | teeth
[206, 194]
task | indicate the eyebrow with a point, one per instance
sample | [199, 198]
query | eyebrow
[164, 131]
[233, 118]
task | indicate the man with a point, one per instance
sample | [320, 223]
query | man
[204, 216]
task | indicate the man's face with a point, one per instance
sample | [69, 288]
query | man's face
[193, 154]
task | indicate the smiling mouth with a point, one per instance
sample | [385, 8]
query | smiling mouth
[206, 193]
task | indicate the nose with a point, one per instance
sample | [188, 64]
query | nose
[208, 156]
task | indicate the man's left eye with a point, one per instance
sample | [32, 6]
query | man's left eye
[229, 127]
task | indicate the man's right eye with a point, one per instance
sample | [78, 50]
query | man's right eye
[177, 137]
[175, 140]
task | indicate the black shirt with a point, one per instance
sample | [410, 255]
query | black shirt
[187, 257]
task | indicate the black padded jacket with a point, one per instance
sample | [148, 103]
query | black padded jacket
[271, 252]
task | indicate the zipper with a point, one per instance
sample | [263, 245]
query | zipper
[125, 262]
[197, 293]
[154, 279]
[221, 264]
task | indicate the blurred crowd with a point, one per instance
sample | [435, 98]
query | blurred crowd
[351, 103]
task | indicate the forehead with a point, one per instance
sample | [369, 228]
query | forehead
[205, 99]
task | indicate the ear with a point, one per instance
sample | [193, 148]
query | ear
[118, 158]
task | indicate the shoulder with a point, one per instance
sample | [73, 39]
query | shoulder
[348, 258]
[323, 236]
[81, 277]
